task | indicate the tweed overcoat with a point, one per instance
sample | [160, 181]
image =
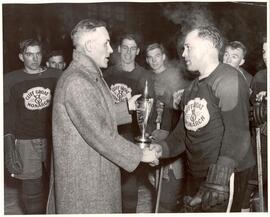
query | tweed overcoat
[87, 149]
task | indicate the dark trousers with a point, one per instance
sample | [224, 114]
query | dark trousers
[171, 192]
[33, 197]
[253, 188]
[130, 186]
[240, 186]
[130, 183]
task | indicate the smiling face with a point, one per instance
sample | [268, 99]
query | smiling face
[155, 58]
[128, 51]
[99, 46]
[195, 49]
[233, 57]
[31, 57]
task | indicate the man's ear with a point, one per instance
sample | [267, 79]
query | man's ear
[138, 51]
[88, 45]
[147, 60]
[242, 62]
[47, 64]
[119, 49]
[163, 57]
[21, 57]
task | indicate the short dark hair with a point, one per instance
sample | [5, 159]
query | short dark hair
[131, 36]
[236, 45]
[212, 34]
[154, 46]
[85, 25]
[24, 44]
[55, 53]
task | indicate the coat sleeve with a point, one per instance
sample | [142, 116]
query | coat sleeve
[122, 113]
[90, 115]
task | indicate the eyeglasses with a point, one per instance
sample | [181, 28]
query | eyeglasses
[126, 48]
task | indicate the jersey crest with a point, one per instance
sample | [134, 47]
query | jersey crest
[120, 92]
[196, 114]
[37, 98]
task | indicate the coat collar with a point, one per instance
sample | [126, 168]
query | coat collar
[87, 62]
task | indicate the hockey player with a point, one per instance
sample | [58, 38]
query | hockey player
[28, 94]
[214, 126]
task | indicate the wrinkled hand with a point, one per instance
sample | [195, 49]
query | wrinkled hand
[132, 102]
[157, 148]
[150, 156]
[177, 98]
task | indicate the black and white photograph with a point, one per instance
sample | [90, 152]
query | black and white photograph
[125, 107]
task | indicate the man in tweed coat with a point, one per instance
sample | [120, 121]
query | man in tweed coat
[87, 149]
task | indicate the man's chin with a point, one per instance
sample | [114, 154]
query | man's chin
[104, 66]
[189, 68]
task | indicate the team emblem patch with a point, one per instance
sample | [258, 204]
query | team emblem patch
[37, 98]
[196, 114]
[120, 92]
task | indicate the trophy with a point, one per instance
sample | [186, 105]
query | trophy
[143, 109]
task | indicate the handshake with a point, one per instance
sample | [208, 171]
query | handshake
[152, 154]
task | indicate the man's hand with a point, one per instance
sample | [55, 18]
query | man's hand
[150, 156]
[261, 95]
[157, 148]
[132, 102]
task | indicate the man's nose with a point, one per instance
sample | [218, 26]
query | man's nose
[228, 60]
[184, 53]
[35, 57]
[110, 49]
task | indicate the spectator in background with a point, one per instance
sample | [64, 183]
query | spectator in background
[127, 78]
[56, 60]
[28, 95]
[234, 55]
[166, 81]
[259, 97]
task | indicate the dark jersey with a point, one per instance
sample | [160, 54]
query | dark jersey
[259, 84]
[214, 125]
[165, 84]
[28, 103]
[125, 84]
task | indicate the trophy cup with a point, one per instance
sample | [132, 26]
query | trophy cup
[143, 109]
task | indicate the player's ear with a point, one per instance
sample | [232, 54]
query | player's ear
[242, 62]
[21, 57]
[138, 51]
